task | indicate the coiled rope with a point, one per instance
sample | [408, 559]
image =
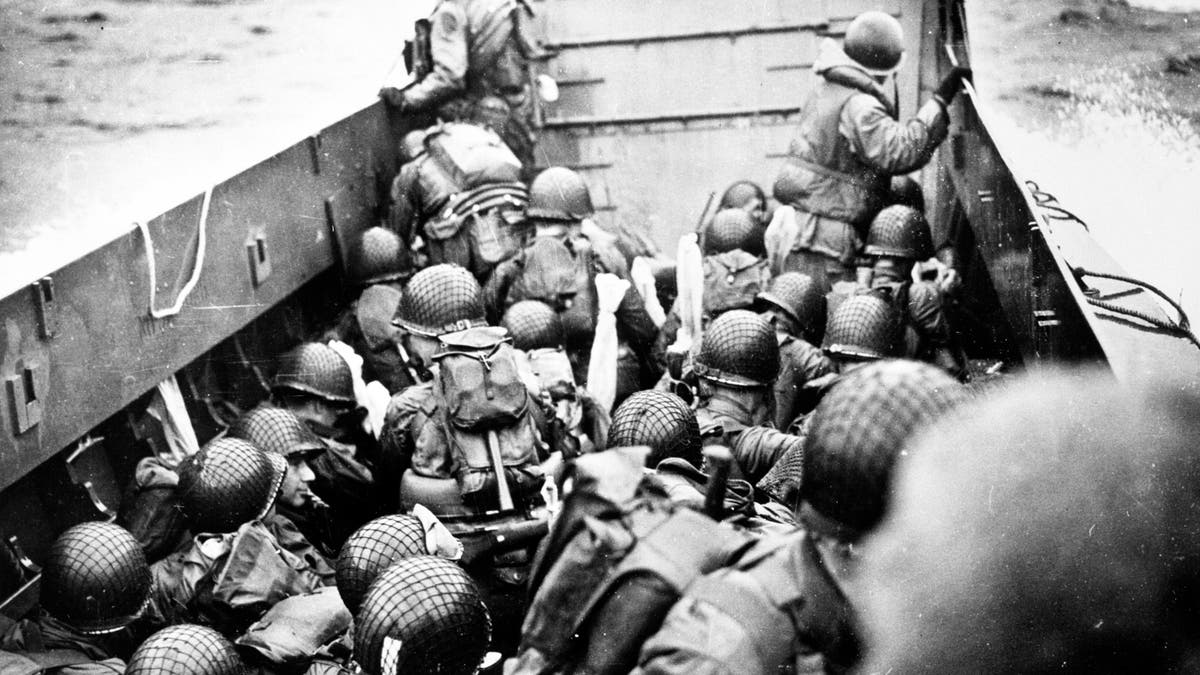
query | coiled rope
[1049, 203]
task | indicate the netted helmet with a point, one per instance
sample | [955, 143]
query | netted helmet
[739, 350]
[227, 483]
[314, 368]
[906, 191]
[659, 420]
[533, 325]
[801, 299]
[95, 578]
[422, 615]
[377, 258]
[863, 328]
[741, 193]
[901, 232]
[875, 41]
[372, 549]
[859, 429]
[733, 229]
[559, 193]
[276, 430]
[441, 299]
[186, 648]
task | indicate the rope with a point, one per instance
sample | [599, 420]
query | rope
[1049, 203]
[1181, 327]
[198, 266]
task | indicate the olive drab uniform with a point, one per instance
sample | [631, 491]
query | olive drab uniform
[479, 49]
[799, 363]
[849, 143]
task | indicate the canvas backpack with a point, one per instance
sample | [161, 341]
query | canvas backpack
[732, 280]
[479, 227]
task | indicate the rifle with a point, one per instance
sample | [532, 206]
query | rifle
[494, 539]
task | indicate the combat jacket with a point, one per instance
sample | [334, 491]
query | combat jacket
[756, 448]
[778, 609]
[799, 363]
[366, 325]
[419, 193]
[927, 332]
[849, 143]
[47, 645]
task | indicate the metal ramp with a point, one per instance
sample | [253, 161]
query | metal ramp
[663, 102]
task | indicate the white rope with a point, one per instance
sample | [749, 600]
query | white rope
[198, 267]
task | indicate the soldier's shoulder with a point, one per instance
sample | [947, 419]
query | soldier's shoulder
[411, 399]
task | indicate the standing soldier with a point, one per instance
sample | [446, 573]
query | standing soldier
[476, 48]
[849, 144]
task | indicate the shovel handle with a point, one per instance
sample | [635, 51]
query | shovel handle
[719, 460]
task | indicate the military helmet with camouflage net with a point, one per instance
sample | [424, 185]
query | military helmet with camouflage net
[372, 549]
[95, 578]
[900, 232]
[533, 324]
[422, 615]
[186, 648]
[739, 349]
[860, 428]
[315, 369]
[801, 299]
[278, 431]
[440, 299]
[227, 483]
[559, 194]
[378, 257]
[862, 328]
[733, 229]
[659, 420]
[906, 191]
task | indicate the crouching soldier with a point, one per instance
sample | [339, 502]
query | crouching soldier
[735, 271]
[794, 303]
[789, 601]
[95, 583]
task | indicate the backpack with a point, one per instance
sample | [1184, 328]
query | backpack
[609, 572]
[479, 227]
[732, 280]
[472, 156]
[479, 419]
[550, 273]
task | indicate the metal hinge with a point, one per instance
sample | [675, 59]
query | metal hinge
[258, 257]
[43, 302]
[25, 404]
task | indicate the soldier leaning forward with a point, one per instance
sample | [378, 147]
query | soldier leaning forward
[476, 48]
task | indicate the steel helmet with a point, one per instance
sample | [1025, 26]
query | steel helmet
[371, 549]
[377, 258]
[278, 431]
[227, 483]
[859, 429]
[741, 193]
[901, 232]
[875, 41]
[559, 193]
[422, 615]
[95, 578]
[733, 229]
[1052, 524]
[801, 299]
[186, 648]
[864, 328]
[440, 299]
[314, 368]
[534, 325]
[659, 420]
[906, 191]
[739, 349]
[413, 145]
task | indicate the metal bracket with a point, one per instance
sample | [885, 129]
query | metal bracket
[82, 467]
[24, 402]
[258, 257]
[31, 568]
[43, 302]
[314, 150]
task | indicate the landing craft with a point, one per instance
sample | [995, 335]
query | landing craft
[181, 317]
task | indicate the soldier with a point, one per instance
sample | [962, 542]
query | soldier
[315, 384]
[749, 197]
[737, 367]
[95, 583]
[849, 144]
[795, 305]
[734, 271]
[378, 269]
[477, 49]
[186, 648]
[899, 238]
[559, 267]
[805, 581]
[1049, 529]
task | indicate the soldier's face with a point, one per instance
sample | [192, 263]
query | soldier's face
[295, 492]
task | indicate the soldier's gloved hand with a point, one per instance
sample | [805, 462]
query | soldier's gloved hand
[610, 289]
[952, 84]
[393, 97]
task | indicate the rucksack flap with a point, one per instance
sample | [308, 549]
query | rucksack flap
[478, 379]
[471, 453]
[550, 273]
[732, 280]
[472, 155]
